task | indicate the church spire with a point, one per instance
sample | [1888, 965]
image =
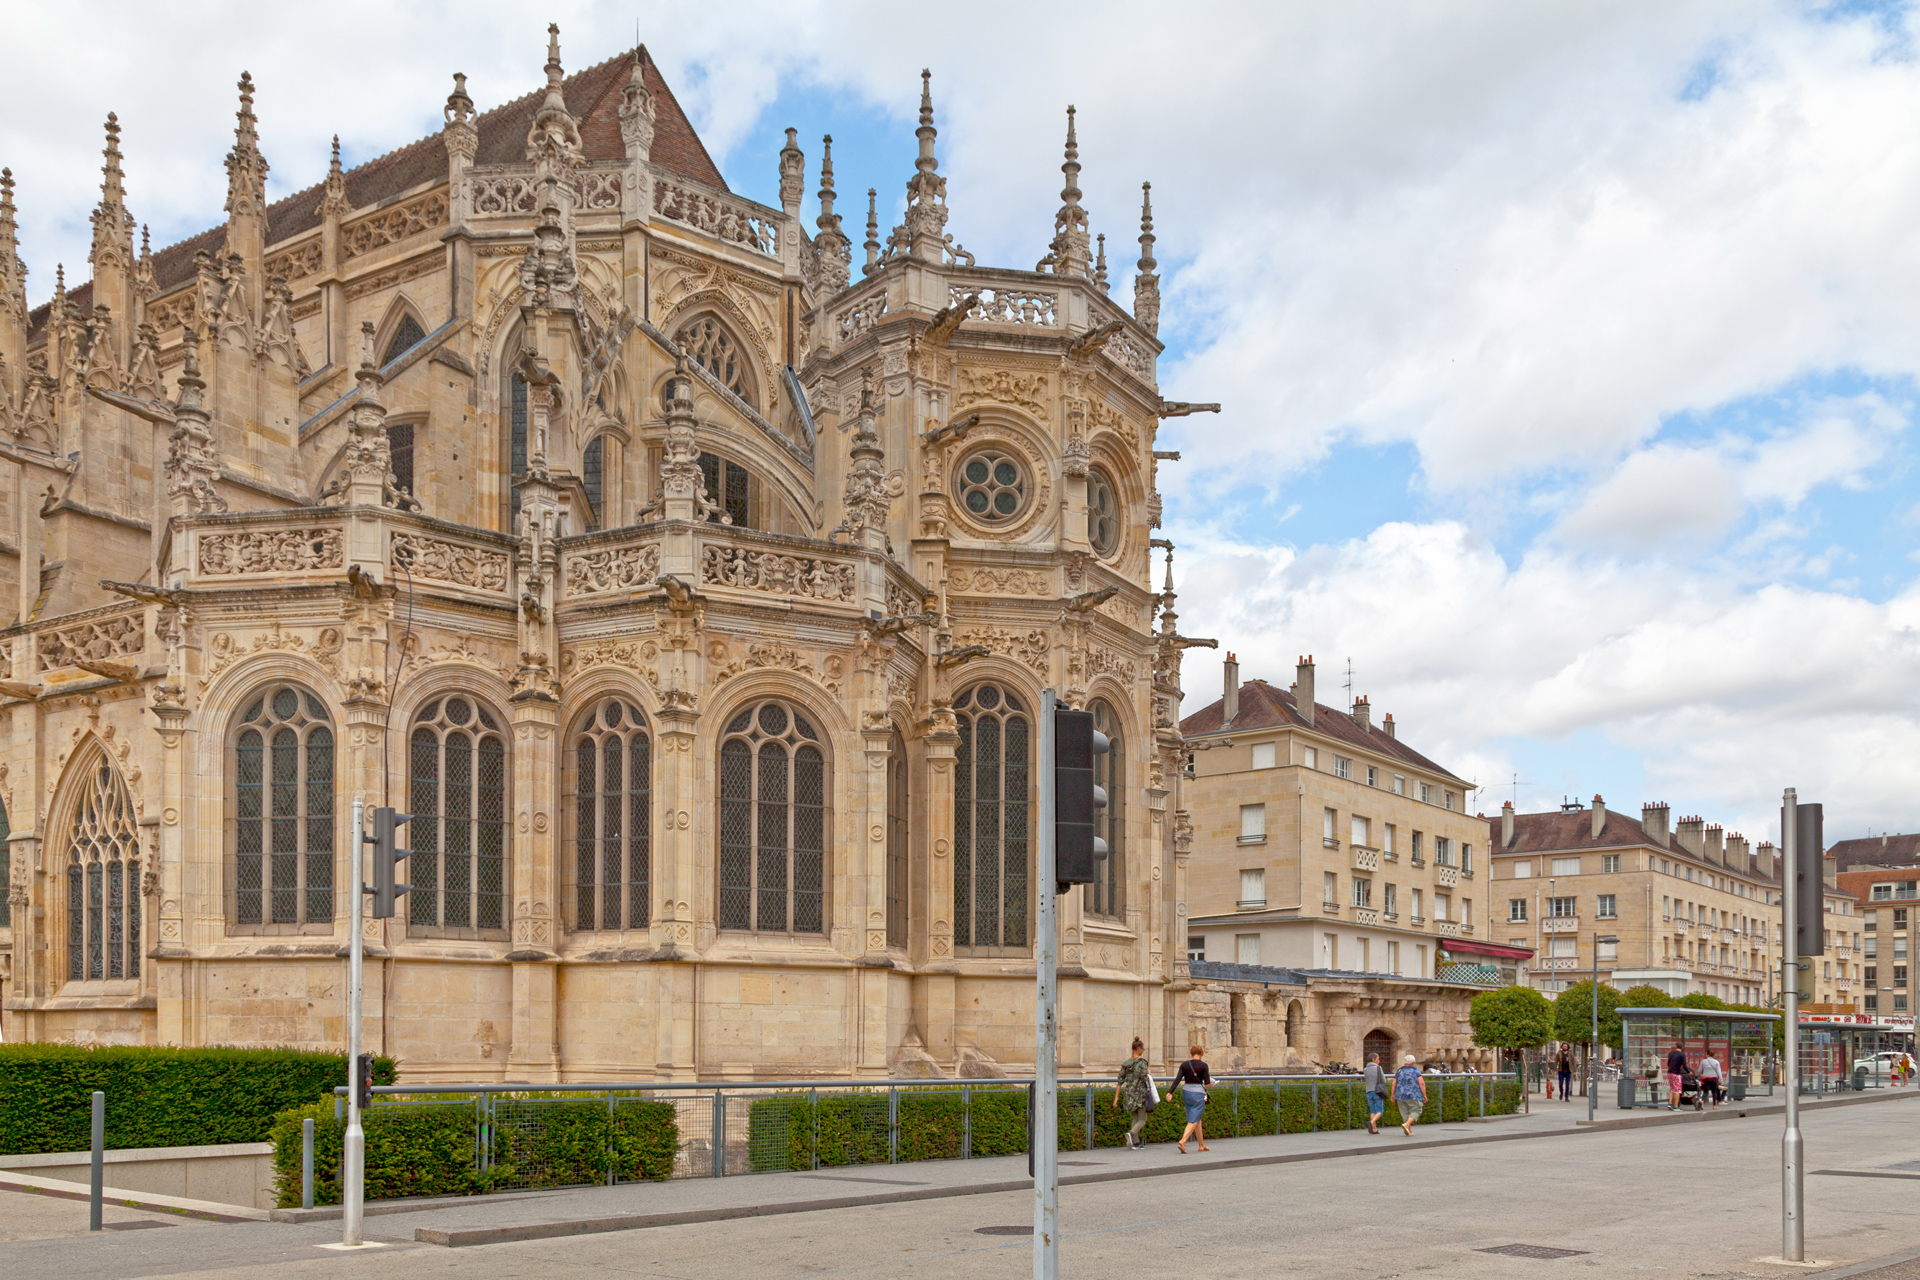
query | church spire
[554, 127]
[247, 199]
[867, 497]
[832, 250]
[793, 174]
[1068, 254]
[13, 288]
[333, 199]
[926, 190]
[1100, 262]
[1146, 285]
[872, 245]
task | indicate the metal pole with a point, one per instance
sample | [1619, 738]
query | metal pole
[354, 1149]
[1593, 1045]
[1792, 1172]
[97, 1191]
[1046, 1071]
[306, 1163]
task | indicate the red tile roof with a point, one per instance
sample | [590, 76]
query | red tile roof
[1876, 851]
[592, 95]
[1264, 707]
[1572, 830]
[1860, 883]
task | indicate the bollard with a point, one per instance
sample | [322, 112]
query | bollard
[306, 1163]
[98, 1190]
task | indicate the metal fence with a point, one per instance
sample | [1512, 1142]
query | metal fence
[517, 1137]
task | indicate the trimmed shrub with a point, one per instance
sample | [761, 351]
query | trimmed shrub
[157, 1097]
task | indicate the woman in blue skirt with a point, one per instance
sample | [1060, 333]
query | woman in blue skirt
[1192, 1083]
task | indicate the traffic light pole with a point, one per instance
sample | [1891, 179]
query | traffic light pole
[354, 1151]
[1046, 1070]
[1793, 1229]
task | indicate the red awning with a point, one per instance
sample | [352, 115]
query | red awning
[1487, 949]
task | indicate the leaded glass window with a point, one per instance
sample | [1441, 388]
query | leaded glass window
[728, 487]
[1106, 896]
[6, 869]
[283, 806]
[103, 881]
[516, 439]
[898, 800]
[458, 798]
[406, 336]
[1103, 514]
[612, 818]
[711, 347]
[400, 454]
[992, 799]
[993, 486]
[773, 822]
[593, 479]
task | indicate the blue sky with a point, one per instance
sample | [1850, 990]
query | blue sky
[1569, 352]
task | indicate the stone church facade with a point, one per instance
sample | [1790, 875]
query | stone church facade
[690, 573]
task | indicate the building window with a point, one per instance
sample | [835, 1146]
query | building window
[283, 807]
[1362, 892]
[1330, 888]
[516, 438]
[593, 480]
[1900, 1002]
[1263, 755]
[1449, 797]
[1561, 908]
[1566, 866]
[1523, 869]
[1253, 887]
[1253, 823]
[1196, 947]
[1416, 906]
[1106, 896]
[406, 336]
[1466, 859]
[1330, 951]
[992, 795]
[711, 347]
[899, 806]
[1517, 910]
[1399, 784]
[1441, 902]
[1309, 757]
[1609, 863]
[992, 486]
[103, 881]
[1361, 832]
[1466, 913]
[1373, 776]
[1390, 901]
[400, 455]
[773, 822]
[612, 818]
[1386, 839]
[1442, 851]
[1426, 794]
[1604, 907]
[458, 797]
[1103, 514]
[1413, 850]
[1246, 948]
[1899, 917]
[1342, 767]
[729, 489]
[1562, 948]
[1327, 820]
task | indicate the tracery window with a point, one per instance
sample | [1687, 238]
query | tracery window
[283, 805]
[6, 869]
[103, 881]
[773, 822]
[898, 800]
[612, 818]
[1103, 514]
[516, 439]
[458, 798]
[991, 817]
[406, 336]
[1106, 896]
[993, 486]
[593, 479]
[711, 347]
[729, 487]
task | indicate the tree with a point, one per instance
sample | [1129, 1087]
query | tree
[1573, 1014]
[1644, 997]
[1511, 1018]
[1701, 1000]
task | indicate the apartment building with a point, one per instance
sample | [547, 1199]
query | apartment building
[1324, 842]
[1886, 899]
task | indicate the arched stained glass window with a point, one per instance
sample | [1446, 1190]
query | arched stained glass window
[406, 336]
[593, 479]
[516, 439]
[773, 822]
[283, 806]
[103, 881]
[898, 807]
[1106, 896]
[612, 818]
[1103, 514]
[458, 798]
[709, 345]
[992, 803]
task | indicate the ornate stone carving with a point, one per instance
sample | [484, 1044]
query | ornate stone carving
[1000, 582]
[638, 656]
[779, 574]
[423, 213]
[98, 641]
[301, 260]
[270, 551]
[1131, 356]
[1106, 662]
[718, 215]
[424, 265]
[860, 317]
[615, 569]
[462, 649]
[452, 562]
[1030, 646]
[1001, 306]
[773, 655]
[1002, 386]
[511, 193]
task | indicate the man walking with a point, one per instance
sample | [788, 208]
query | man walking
[1676, 1076]
[1376, 1093]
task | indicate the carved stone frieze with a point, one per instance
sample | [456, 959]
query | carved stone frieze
[301, 260]
[97, 641]
[413, 269]
[1003, 386]
[772, 572]
[614, 569]
[270, 551]
[1000, 582]
[453, 562]
[1029, 647]
[424, 213]
[638, 656]
[716, 214]
[1001, 306]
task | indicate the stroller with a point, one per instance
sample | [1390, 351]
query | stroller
[1691, 1094]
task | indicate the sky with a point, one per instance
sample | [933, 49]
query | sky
[1568, 352]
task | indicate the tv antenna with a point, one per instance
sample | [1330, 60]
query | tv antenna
[1350, 685]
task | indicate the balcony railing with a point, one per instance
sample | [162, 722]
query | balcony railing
[1365, 859]
[1365, 915]
[1446, 875]
[1560, 924]
[1446, 928]
[1330, 908]
[1251, 904]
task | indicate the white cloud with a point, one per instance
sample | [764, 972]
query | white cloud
[1656, 497]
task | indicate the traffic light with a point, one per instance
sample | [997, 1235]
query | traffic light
[365, 1081]
[1810, 878]
[386, 861]
[1077, 802]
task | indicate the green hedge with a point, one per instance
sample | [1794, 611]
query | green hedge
[428, 1149]
[157, 1097]
[789, 1131]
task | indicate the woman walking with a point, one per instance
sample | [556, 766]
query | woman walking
[1409, 1094]
[1193, 1081]
[1566, 1074]
[1135, 1092]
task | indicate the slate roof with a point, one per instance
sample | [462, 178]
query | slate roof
[1563, 831]
[1876, 851]
[1262, 706]
[592, 95]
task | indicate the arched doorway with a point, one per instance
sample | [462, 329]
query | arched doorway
[1380, 1042]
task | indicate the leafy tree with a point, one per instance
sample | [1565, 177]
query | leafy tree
[1573, 1014]
[1701, 1000]
[1644, 997]
[1511, 1018]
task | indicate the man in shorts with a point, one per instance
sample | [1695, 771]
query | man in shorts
[1676, 1076]
[1376, 1092]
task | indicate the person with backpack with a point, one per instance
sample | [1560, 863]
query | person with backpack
[1135, 1092]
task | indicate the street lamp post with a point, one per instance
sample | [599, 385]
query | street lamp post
[1593, 1046]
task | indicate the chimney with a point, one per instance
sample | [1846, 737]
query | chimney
[1830, 871]
[1230, 672]
[1653, 817]
[1599, 815]
[1763, 860]
[1363, 712]
[1388, 726]
[1691, 833]
[1715, 852]
[1506, 825]
[1303, 689]
[1738, 856]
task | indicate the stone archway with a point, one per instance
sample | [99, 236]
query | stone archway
[1380, 1041]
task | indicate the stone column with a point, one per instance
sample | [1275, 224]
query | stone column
[932, 922]
[535, 1050]
[680, 908]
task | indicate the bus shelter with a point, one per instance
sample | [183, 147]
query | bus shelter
[1741, 1042]
[1836, 1056]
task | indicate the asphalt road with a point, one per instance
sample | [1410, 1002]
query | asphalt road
[1681, 1200]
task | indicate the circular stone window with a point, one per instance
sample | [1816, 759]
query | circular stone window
[993, 486]
[1103, 514]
